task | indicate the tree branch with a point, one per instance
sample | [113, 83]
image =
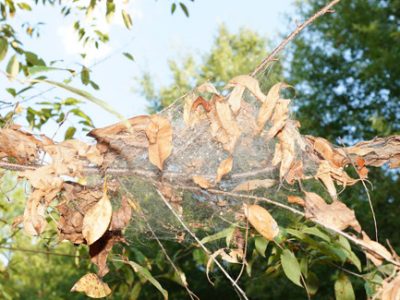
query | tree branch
[272, 56]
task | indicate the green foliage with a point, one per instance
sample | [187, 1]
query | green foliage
[231, 55]
[345, 67]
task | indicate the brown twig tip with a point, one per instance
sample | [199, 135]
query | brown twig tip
[272, 56]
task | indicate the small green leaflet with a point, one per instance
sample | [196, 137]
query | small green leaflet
[147, 275]
[344, 288]
[3, 48]
[184, 9]
[129, 56]
[12, 67]
[261, 245]
[127, 19]
[219, 235]
[291, 266]
[173, 8]
[86, 95]
[69, 134]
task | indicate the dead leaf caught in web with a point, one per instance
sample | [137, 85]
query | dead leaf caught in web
[159, 133]
[262, 221]
[92, 286]
[97, 220]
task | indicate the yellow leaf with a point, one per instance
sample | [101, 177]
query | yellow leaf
[97, 219]
[262, 221]
[224, 168]
[159, 134]
[92, 286]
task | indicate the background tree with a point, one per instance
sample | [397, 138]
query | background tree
[230, 55]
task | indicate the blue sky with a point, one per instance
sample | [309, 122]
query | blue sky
[155, 37]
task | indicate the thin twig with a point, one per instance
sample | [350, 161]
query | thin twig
[192, 295]
[272, 56]
[39, 251]
[366, 190]
[238, 288]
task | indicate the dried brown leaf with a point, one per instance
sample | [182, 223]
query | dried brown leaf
[202, 182]
[296, 200]
[279, 118]
[380, 252]
[269, 104]
[92, 286]
[99, 250]
[262, 221]
[335, 215]
[224, 168]
[250, 83]
[121, 218]
[235, 98]
[159, 133]
[97, 220]
[22, 146]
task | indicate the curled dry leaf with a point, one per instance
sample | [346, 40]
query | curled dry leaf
[97, 220]
[296, 200]
[34, 219]
[269, 104]
[159, 134]
[262, 221]
[202, 182]
[121, 218]
[235, 98]
[224, 168]
[324, 175]
[379, 254]
[22, 146]
[99, 250]
[92, 286]
[335, 215]
[250, 83]
[390, 289]
[255, 184]
[279, 118]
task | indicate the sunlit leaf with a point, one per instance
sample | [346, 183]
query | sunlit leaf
[12, 67]
[147, 275]
[127, 19]
[92, 286]
[3, 48]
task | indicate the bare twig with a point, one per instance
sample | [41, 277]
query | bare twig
[272, 56]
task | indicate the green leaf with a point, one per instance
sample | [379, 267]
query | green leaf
[127, 19]
[129, 56]
[147, 275]
[24, 6]
[87, 96]
[261, 245]
[219, 235]
[12, 67]
[184, 9]
[3, 48]
[317, 232]
[85, 76]
[173, 8]
[291, 266]
[312, 283]
[344, 288]
[69, 134]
